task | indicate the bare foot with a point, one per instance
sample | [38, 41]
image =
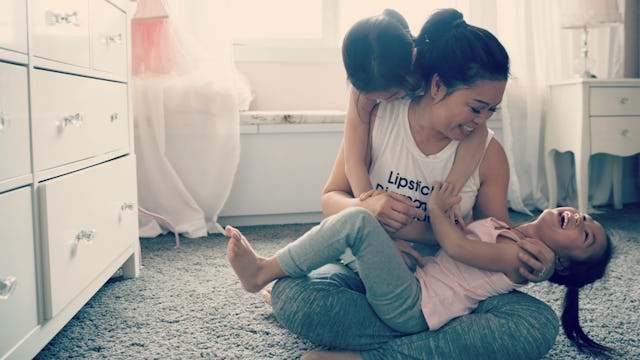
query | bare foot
[246, 263]
[331, 355]
[266, 295]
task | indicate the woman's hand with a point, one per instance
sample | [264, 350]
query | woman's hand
[393, 211]
[537, 260]
[410, 256]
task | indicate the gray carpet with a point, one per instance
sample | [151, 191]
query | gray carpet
[187, 304]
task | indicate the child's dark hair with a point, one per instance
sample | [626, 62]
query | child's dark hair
[576, 275]
[461, 54]
[377, 52]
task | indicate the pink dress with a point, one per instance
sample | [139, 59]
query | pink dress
[451, 288]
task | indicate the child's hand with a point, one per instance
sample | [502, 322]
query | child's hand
[456, 216]
[443, 198]
[410, 255]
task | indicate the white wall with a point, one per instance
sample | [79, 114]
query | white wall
[296, 85]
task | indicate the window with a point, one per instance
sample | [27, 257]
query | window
[312, 30]
[416, 12]
[282, 23]
[284, 29]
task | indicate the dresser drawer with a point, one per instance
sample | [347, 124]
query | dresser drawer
[108, 38]
[18, 308]
[613, 101]
[615, 135]
[14, 122]
[88, 219]
[76, 118]
[13, 25]
[61, 31]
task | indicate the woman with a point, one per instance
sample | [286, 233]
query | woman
[413, 144]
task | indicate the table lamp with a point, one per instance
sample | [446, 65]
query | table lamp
[584, 15]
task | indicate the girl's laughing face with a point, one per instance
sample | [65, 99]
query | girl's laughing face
[571, 234]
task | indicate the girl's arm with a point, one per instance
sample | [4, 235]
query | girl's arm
[468, 156]
[492, 201]
[356, 142]
[502, 257]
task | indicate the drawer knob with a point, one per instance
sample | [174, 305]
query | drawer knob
[127, 206]
[76, 120]
[625, 132]
[114, 116]
[53, 18]
[86, 236]
[624, 100]
[113, 39]
[4, 121]
[7, 285]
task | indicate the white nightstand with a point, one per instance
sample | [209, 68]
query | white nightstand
[591, 116]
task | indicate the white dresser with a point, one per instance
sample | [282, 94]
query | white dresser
[68, 212]
[591, 116]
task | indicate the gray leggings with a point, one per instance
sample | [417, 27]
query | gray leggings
[392, 290]
[329, 307]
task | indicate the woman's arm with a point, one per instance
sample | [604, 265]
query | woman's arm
[356, 142]
[394, 211]
[494, 184]
[337, 195]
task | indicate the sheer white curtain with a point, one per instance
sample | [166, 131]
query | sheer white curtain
[541, 53]
[186, 100]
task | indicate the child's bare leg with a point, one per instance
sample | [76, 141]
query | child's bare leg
[331, 355]
[253, 270]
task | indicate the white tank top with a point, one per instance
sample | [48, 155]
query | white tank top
[398, 165]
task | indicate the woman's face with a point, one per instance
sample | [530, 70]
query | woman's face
[571, 234]
[461, 112]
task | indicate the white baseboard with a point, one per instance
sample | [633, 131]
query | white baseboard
[274, 219]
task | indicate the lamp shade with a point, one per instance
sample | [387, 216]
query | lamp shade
[589, 13]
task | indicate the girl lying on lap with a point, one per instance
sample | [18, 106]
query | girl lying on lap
[473, 264]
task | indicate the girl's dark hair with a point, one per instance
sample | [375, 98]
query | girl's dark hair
[576, 275]
[461, 54]
[377, 53]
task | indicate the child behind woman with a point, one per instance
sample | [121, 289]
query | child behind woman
[471, 266]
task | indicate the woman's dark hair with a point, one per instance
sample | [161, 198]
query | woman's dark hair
[461, 54]
[574, 276]
[377, 53]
